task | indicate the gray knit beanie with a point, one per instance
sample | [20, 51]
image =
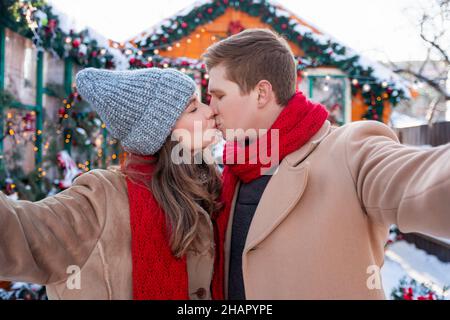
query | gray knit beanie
[139, 107]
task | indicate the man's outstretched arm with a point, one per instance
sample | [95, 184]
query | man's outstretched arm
[398, 184]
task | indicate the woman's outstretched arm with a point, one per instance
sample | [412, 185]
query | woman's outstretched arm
[39, 241]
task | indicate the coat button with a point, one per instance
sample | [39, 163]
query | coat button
[201, 293]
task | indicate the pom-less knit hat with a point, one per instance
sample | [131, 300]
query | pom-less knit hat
[138, 107]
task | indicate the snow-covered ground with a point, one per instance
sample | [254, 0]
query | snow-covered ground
[404, 259]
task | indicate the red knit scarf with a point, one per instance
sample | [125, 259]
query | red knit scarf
[297, 123]
[157, 274]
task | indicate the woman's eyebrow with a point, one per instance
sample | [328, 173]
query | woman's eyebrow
[190, 104]
[192, 99]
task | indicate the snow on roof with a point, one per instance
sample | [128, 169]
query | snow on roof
[380, 72]
[68, 23]
[156, 28]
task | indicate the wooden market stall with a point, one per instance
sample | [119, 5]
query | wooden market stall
[351, 86]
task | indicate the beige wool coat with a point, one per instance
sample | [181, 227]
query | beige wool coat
[318, 232]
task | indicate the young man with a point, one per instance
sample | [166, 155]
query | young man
[315, 229]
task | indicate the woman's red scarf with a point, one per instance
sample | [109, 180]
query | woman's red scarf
[157, 274]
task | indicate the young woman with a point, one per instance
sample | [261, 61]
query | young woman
[141, 231]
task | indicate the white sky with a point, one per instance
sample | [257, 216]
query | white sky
[379, 29]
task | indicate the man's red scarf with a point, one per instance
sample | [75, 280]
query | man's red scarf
[157, 274]
[299, 121]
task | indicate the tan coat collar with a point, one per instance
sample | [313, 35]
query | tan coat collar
[276, 202]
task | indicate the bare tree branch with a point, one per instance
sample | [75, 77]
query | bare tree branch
[441, 90]
[435, 45]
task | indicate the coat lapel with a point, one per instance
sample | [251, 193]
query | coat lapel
[276, 202]
[282, 193]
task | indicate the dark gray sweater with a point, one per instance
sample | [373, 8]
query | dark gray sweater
[246, 204]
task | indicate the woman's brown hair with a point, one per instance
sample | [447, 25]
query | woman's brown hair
[181, 190]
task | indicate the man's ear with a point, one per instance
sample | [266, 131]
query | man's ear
[265, 93]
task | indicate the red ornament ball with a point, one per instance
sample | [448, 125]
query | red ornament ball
[76, 43]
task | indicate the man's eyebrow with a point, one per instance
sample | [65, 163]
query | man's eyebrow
[215, 91]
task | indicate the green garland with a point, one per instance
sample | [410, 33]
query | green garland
[316, 54]
[410, 289]
[35, 19]
[78, 126]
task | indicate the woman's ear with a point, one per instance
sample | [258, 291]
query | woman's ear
[265, 93]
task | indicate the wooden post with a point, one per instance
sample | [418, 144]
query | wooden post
[39, 106]
[68, 65]
[2, 56]
[2, 87]
[104, 147]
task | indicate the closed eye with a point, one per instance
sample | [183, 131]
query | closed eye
[192, 105]
[217, 94]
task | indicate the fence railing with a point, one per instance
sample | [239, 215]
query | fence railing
[435, 135]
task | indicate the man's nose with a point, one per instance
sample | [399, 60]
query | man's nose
[210, 114]
[214, 109]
